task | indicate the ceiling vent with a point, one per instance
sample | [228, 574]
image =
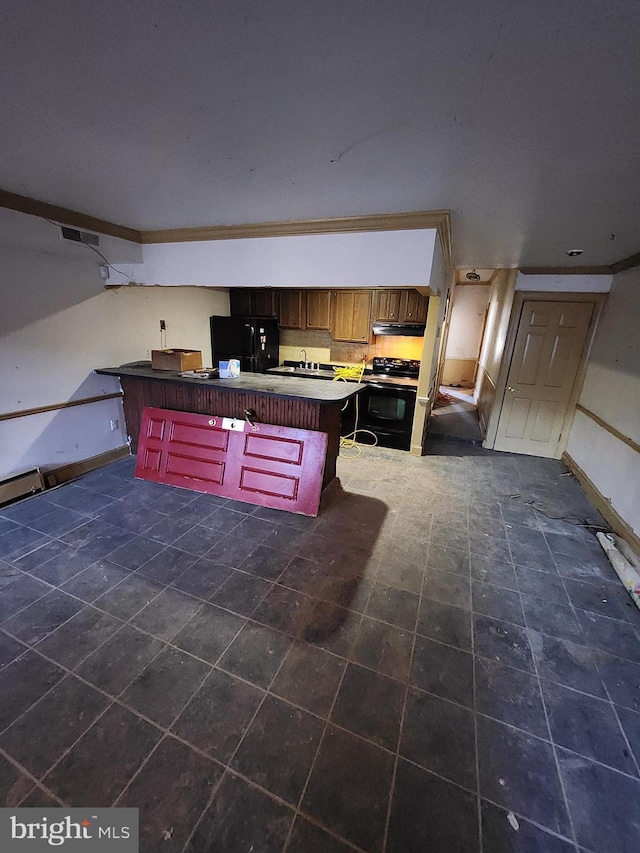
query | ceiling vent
[76, 236]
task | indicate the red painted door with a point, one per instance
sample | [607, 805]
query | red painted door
[275, 466]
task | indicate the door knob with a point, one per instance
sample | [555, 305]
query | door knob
[515, 390]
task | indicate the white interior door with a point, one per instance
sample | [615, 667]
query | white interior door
[549, 343]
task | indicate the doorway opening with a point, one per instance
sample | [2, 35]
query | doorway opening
[455, 412]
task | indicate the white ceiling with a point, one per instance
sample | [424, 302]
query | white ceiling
[522, 118]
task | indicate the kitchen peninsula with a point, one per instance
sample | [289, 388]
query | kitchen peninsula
[312, 404]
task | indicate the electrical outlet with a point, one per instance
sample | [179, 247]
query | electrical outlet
[114, 424]
[163, 326]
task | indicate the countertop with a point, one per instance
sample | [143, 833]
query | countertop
[285, 385]
[367, 379]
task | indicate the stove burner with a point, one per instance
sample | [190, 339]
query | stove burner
[395, 366]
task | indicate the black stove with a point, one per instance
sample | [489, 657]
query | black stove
[406, 367]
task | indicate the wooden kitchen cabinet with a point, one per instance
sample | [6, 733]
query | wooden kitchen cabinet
[265, 302]
[318, 314]
[414, 307]
[387, 306]
[240, 301]
[351, 315]
[400, 306]
[292, 313]
[253, 302]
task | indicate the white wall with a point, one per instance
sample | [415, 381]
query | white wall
[611, 390]
[58, 323]
[370, 259]
[564, 283]
[467, 320]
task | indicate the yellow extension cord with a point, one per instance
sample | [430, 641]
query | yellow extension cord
[349, 442]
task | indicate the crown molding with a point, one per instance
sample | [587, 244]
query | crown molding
[438, 219]
[626, 263]
[65, 216]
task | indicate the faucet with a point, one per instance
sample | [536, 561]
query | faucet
[303, 358]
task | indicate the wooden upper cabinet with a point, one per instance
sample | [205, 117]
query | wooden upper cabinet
[387, 305]
[265, 302]
[318, 309]
[414, 307]
[240, 301]
[400, 306]
[351, 315]
[292, 309]
[253, 301]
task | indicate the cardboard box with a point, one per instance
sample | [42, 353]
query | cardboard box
[176, 359]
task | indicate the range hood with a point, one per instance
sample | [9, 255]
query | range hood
[415, 330]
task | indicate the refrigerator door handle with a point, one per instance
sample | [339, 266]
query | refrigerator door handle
[252, 332]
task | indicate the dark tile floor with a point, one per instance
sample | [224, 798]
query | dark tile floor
[437, 663]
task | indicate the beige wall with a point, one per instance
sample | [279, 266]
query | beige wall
[469, 305]
[611, 390]
[493, 344]
[58, 323]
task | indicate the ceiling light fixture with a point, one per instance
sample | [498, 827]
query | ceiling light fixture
[472, 276]
[573, 253]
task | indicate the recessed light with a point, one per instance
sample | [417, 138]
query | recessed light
[573, 253]
[472, 276]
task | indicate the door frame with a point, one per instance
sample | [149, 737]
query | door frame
[522, 296]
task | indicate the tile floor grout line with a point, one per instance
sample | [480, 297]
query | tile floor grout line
[71, 746]
[167, 734]
[396, 759]
[565, 797]
[475, 711]
[327, 722]
[635, 759]
[630, 750]
[38, 785]
[239, 744]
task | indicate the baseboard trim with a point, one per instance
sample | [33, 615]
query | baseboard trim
[602, 504]
[21, 486]
[57, 476]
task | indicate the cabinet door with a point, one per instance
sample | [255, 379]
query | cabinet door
[264, 302]
[387, 305]
[414, 308]
[292, 314]
[240, 302]
[361, 329]
[318, 309]
[341, 315]
[351, 315]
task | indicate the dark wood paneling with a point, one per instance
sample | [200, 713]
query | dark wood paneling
[207, 400]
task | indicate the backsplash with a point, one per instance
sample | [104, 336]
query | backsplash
[320, 346]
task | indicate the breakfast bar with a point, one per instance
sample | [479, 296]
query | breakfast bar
[312, 404]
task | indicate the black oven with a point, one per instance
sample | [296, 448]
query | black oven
[384, 409]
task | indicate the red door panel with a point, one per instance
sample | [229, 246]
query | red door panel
[279, 467]
[268, 447]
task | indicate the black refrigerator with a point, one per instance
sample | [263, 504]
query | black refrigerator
[254, 341]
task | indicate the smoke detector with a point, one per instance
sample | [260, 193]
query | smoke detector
[573, 253]
[472, 276]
